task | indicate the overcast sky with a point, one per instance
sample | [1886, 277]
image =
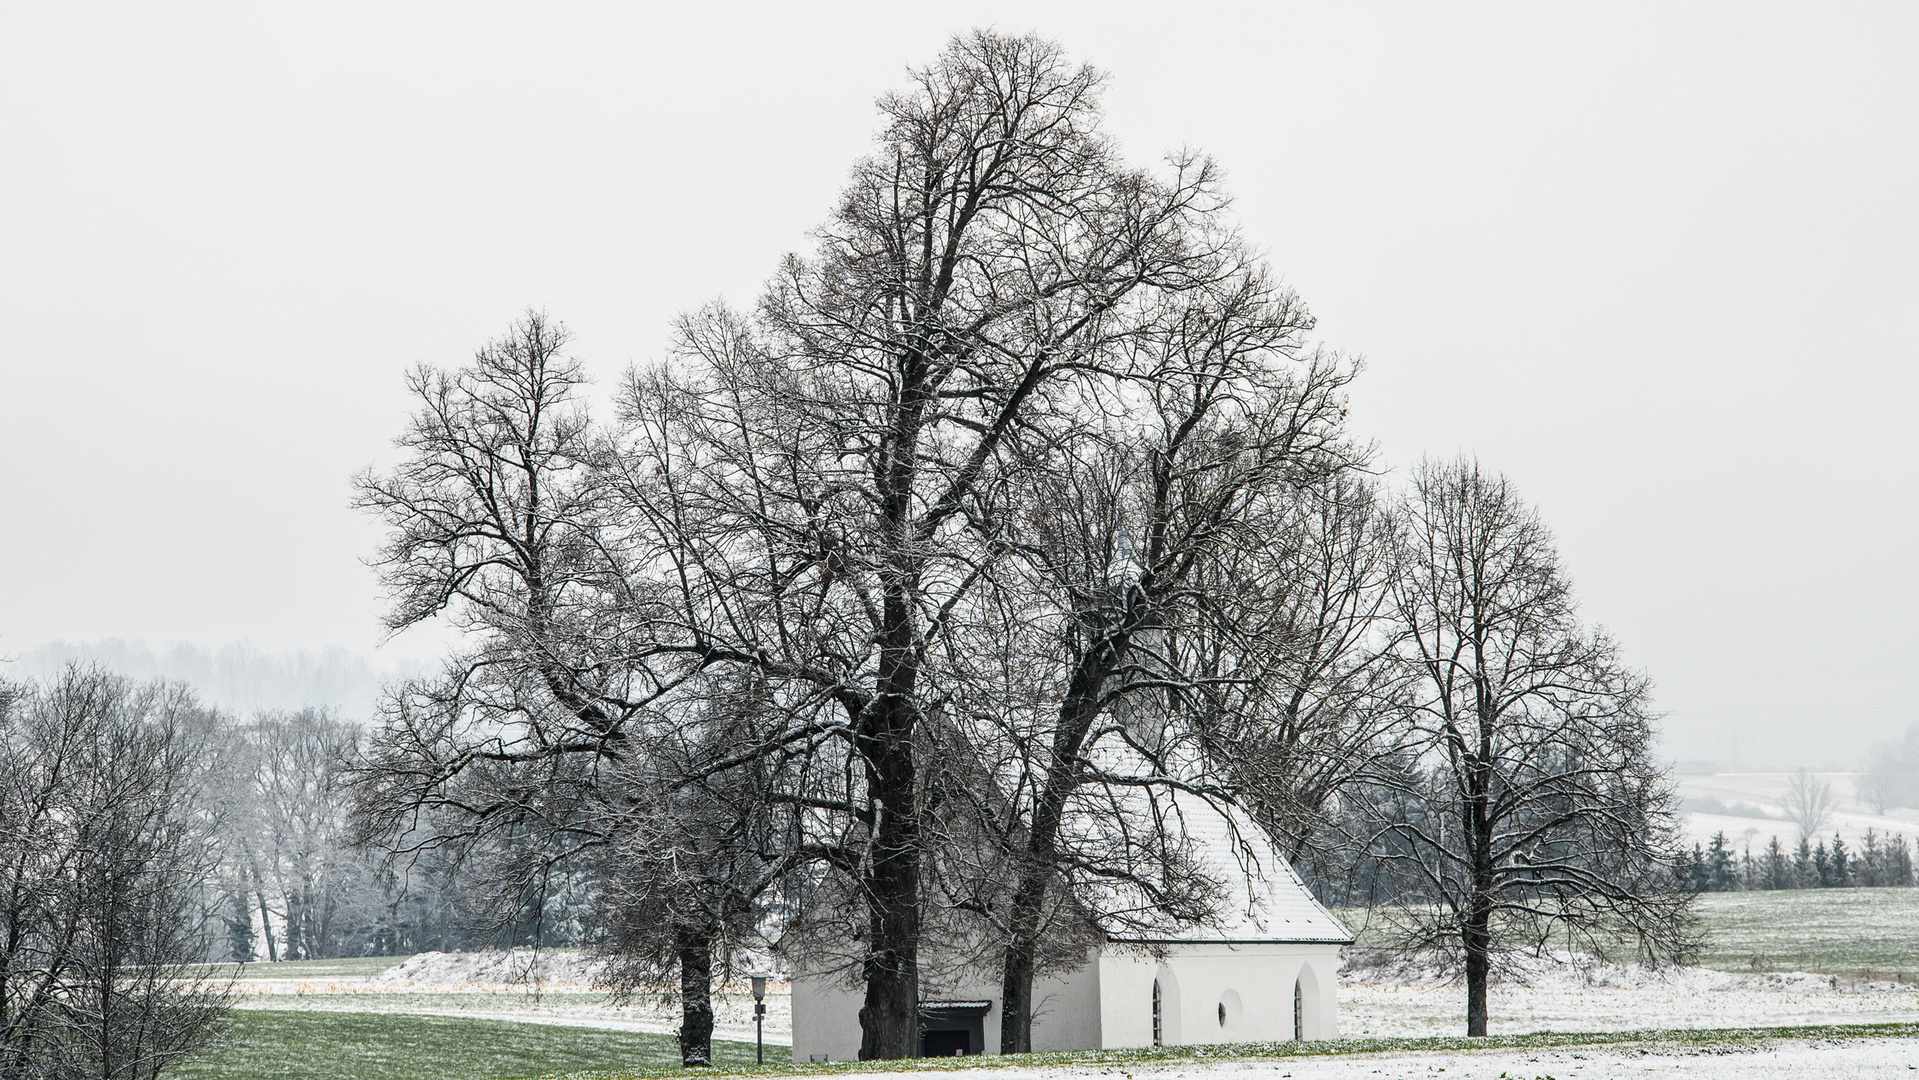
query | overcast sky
[1659, 263]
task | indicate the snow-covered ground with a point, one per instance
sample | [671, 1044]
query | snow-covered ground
[1374, 1000]
[518, 969]
[1873, 1059]
[1563, 995]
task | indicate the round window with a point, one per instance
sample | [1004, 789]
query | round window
[1229, 1011]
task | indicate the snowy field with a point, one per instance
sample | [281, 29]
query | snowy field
[1854, 932]
[1374, 1002]
[1818, 1060]
[1584, 997]
[1844, 933]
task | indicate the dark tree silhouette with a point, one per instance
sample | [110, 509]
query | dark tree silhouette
[1531, 803]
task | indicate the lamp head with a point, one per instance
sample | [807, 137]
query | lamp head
[759, 988]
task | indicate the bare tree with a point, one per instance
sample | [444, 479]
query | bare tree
[102, 858]
[1808, 802]
[1881, 785]
[817, 494]
[510, 764]
[693, 854]
[1319, 696]
[490, 515]
[1890, 776]
[287, 836]
[1530, 805]
[1127, 528]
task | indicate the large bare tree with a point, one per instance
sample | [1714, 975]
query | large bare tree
[820, 485]
[561, 744]
[1311, 695]
[1530, 805]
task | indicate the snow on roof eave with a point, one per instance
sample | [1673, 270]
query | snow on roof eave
[1263, 940]
[1346, 936]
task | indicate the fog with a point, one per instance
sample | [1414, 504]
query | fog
[235, 677]
[1660, 265]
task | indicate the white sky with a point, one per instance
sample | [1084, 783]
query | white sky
[1659, 263]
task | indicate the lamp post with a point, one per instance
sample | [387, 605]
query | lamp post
[759, 1019]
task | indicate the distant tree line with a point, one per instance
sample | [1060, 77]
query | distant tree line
[1879, 860]
[289, 883]
[274, 874]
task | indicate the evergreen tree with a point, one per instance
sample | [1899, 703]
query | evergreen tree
[239, 923]
[1822, 866]
[1748, 870]
[1805, 875]
[1719, 877]
[1697, 875]
[1842, 867]
[1778, 867]
[1869, 869]
[1898, 860]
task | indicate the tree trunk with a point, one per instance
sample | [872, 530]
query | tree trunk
[1029, 906]
[1477, 936]
[266, 924]
[889, 1018]
[1478, 969]
[1016, 993]
[694, 947]
[1076, 716]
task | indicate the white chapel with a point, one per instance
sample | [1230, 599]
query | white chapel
[1265, 970]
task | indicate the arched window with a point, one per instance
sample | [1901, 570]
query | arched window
[1299, 1012]
[1167, 1030]
[1156, 1008]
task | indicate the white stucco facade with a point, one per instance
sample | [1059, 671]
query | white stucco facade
[1220, 992]
[1209, 992]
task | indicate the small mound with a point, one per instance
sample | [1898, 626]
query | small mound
[548, 968]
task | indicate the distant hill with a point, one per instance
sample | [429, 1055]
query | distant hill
[236, 677]
[1733, 803]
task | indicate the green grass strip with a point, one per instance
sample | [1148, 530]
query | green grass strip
[321, 1045]
[1674, 1039]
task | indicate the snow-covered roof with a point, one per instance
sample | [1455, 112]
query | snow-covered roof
[1263, 898]
[1260, 897]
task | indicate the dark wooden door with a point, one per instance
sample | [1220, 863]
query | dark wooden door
[945, 1042]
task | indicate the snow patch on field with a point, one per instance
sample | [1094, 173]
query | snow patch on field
[1851, 817]
[555, 969]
